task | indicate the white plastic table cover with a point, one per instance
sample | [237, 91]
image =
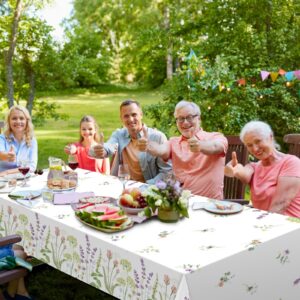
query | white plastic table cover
[249, 255]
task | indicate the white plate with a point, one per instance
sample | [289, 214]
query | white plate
[25, 195]
[223, 207]
[17, 176]
[62, 190]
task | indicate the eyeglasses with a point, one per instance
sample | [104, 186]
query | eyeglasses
[189, 118]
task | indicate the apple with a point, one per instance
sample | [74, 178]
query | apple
[135, 193]
[127, 200]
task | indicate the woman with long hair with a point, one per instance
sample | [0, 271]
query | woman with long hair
[18, 141]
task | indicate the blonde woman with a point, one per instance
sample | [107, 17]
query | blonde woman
[18, 141]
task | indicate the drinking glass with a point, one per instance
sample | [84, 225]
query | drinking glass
[123, 174]
[73, 162]
[24, 167]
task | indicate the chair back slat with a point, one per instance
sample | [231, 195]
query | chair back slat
[293, 140]
[234, 188]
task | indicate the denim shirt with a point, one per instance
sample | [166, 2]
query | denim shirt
[22, 152]
[153, 168]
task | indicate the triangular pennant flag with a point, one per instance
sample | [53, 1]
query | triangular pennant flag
[297, 74]
[192, 54]
[289, 75]
[264, 75]
[281, 72]
[242, 81]
[274, 76]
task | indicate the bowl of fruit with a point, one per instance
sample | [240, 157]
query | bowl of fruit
[132, 201]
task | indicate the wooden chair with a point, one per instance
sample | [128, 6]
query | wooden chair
[293, 140]
[234, 188]
[8, 275]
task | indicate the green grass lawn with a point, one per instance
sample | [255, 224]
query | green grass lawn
[54, 135]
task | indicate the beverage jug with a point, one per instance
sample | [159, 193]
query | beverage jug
[55, 168]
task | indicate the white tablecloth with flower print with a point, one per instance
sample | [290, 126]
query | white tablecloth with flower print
[249, 255]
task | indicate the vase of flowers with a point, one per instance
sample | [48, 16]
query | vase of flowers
[166, 199]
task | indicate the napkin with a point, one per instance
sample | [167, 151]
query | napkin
[70, 197]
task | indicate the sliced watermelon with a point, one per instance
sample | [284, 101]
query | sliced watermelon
[110, 216]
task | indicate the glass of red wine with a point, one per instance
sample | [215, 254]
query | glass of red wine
[24, 167]
[73, 162]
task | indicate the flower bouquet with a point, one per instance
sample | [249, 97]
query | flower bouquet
[167, 199]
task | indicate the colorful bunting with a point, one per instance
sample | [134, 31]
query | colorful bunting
[297, 74]
[281, 72]
[264, 75]
[274, 76]
[242, 81]
[289, 75]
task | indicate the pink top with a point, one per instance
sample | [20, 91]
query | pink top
[200, 173]
[90, 163]
[264, 182]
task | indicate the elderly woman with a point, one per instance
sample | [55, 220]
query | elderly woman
[275, 179]
[18, 141]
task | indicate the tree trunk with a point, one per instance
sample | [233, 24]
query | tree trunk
[31, 78]
[169, 57]
[10, 53]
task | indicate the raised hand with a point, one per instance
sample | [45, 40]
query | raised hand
[232, 167]
[194, 144]
[11, 154]
[99, 148]
[143, 141]
[234, 160]
[70, 149]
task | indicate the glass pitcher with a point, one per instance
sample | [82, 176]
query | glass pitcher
[55, 168]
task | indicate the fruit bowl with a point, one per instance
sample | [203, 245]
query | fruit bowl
[131, 210]
[132, 201]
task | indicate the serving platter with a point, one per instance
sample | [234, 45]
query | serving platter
[108, 230]
[24, 195]
[17, 176]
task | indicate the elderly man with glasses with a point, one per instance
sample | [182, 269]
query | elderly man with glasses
[198, 157]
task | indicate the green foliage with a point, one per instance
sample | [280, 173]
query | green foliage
[238, 43]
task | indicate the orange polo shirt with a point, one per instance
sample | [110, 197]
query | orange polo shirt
[200, 173]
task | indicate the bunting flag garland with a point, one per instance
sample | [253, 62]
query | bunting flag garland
[274, 76]
[242, 81]
[195, 67]
[264, 75]
[297, 74]
[289, 75]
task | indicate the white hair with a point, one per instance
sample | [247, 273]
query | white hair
[184, 103]
[262, 129]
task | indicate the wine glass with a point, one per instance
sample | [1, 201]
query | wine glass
[123, 174]
[24, 167]
[73, 162]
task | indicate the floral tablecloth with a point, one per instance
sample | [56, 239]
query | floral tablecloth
[249, 255]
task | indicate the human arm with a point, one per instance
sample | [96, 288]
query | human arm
[153, 147]
[70, 149]
[287, 189]
[9, 155]
[208, 147]
[102, 150]
[237, 170]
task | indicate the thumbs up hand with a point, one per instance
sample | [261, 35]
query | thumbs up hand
[233, 167]
[99, 148]
[11, 154]
[143, 141]
[194, 144]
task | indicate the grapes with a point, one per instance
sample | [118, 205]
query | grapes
[142, 202]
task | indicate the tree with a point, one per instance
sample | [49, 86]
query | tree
[238, 44]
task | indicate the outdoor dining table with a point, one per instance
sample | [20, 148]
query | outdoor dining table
[252, 254]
